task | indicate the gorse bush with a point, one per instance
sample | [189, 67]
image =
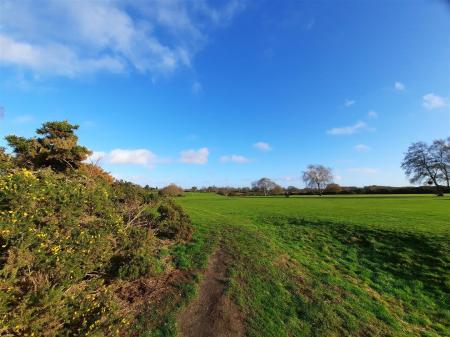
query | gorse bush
[68, 240]
[57, 234]
[172, 222]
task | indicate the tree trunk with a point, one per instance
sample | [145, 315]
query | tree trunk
[440, 192]
[439, 189]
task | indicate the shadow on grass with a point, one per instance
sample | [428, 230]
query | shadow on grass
[407, 256]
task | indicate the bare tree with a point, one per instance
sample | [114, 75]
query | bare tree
[264, 184]
[440, 154]
[318, 177]
[423, 163]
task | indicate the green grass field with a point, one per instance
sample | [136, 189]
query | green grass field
[330, 266]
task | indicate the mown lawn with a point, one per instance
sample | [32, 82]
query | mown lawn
[330, 266]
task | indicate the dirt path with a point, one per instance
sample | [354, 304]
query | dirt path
[213, 313]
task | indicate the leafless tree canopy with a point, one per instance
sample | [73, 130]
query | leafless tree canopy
[264, 184]
[318, 177]
[428, 164]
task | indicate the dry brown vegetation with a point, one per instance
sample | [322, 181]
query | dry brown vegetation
[172, 190]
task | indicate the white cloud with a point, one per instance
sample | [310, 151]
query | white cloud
[53, 58]
[363, 170]
[70, 38]
[142, 157]
[372, 114]
[361, 148]
[2, 112]
[432, 101]
[348, 130]
[348, 103]
[234, 158]
[399, 86]
[199, 157]
[96, 157]
[138, 157]
[262, 146]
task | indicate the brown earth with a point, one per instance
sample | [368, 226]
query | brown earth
[212, 313]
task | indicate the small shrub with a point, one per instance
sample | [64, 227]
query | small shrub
[172, 190]
[173, 222]
[138, 257]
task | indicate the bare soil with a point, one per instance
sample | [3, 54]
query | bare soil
[212, 313]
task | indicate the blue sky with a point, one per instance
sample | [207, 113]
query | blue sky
[225, 92]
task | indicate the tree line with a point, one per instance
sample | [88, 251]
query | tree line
[428, 165]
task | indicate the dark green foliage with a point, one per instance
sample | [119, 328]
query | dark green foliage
[173, 222]
[56, 147]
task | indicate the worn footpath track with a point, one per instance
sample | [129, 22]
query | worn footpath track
[212, 313]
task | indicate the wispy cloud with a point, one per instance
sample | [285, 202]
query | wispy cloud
[56, 58]
[361, 148]
[234, 158]
[70, 38]
[348, 103]
[198, 157]
[399, 86]
[262, 146]
[372, 114]
[348, 130]
[363, 170]
[2, 112]
[432, 101]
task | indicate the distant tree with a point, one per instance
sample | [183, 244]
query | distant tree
[264, 185]
[317, 177]
[440, 153]
[428, 164]
[172, 190]
[333, 189]
[277, 190]
[56, 147]
[293, 190]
